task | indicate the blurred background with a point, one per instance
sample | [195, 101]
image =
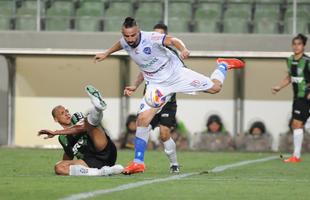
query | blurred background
[47, 46]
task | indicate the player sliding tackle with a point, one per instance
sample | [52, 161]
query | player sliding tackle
[164, 75]
[84, 139]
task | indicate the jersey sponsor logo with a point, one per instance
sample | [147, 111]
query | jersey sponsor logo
[78, 145]
[84, 171]
[147, 50]
[154, 60]
[136, 51]
[165, 115]
[294, 62]
[297, 79]
[152, 73]
[156, 37]
[299, 71]
[195, 83]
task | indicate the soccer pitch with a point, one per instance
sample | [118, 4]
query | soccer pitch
[28, 174]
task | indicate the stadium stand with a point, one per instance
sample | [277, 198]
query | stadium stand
[266, 17]
[58, 15]
[238, 16]
[180, 13]
[26, 13]
[207, 16]
[303, 18]
[204, 16]
[89, 16]
[149, 13]
[6, 13]
[115, 13]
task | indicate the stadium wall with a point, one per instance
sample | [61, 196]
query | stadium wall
[46, 81]
[43, 81]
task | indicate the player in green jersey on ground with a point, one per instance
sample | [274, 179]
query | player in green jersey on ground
[86, 140]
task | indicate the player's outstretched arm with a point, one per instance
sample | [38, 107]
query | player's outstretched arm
[101, 56]
[178, 44]
[129, 90]
[76, 129]
[285, 82]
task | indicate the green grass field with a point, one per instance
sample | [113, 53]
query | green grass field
[28, 174]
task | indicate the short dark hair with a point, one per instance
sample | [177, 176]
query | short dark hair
[214, 118]
[161, 26]
[258, 124]
[301, 37]
[129, 22]
[130, 118]
[54, 110]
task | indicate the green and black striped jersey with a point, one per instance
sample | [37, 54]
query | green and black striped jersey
[299, 70]
[77, 145]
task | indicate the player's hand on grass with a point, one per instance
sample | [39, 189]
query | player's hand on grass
[48, 133]
[100, 57]
[184, 54]
[129, 90]
[275, 89]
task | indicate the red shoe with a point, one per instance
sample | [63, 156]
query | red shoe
[232, 63]
[133, 168]
[292, 159]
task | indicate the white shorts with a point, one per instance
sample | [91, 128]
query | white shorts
[183, 81]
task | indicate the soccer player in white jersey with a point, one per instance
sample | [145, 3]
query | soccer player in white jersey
[165, 119]
[162, 69]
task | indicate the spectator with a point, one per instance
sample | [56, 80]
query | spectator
[127, 138]
[214, 124]
[286, 140]
[180, 135]
[257, 129]
[256, 139]
[214, 138]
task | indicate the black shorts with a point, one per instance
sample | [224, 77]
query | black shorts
[166, 116]
[301, 109]
[106, 157]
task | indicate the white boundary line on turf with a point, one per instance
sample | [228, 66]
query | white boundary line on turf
[127, 186]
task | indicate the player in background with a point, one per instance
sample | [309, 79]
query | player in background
[85, 139]
[162, 69]
[299, 75]
[165, 119]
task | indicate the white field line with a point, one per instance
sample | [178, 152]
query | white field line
[127, 186]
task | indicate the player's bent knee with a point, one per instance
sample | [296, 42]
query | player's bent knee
[216, 88]
[164, 133]
[296, 124]
[142, 120]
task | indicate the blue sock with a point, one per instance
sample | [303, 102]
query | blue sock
[223, 68]
[140, 147]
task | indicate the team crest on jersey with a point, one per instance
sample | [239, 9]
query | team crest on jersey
[297, 79]
[147, 50]
[141, 106]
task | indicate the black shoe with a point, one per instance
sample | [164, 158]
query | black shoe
[174, 169]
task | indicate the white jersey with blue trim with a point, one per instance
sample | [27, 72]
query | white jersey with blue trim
[156, 62]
